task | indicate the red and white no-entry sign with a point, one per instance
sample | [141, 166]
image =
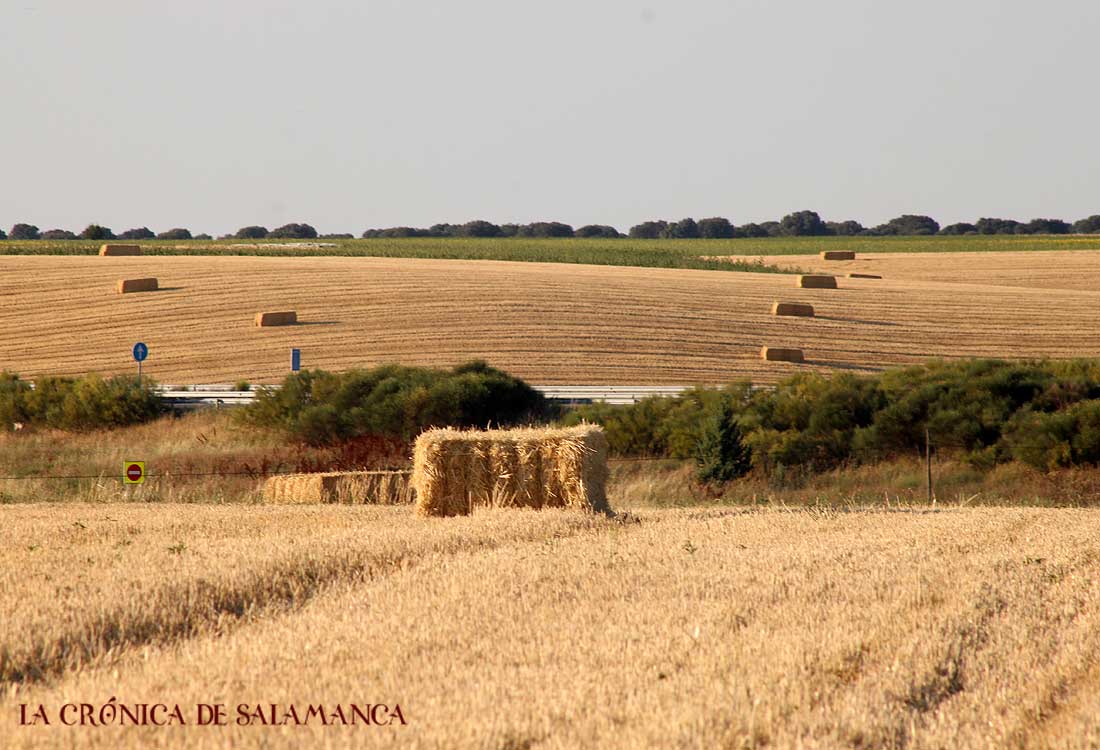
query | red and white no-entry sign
[133, 472]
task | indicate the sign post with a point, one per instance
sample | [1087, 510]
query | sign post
[141, 351]
[295, 360]
[133, 472]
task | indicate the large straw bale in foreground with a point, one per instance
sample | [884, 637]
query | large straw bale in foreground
[286, 318]
[776, 354]
[114, 249]
[838, 255]
[126, 286]
[349, 487]
[798, 309]
[455, 472]
[817, 282]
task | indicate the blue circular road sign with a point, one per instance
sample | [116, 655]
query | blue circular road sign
[141, 351]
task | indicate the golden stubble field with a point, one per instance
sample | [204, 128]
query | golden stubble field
[680, 628]
[548, 323]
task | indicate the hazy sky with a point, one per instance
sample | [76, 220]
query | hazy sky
[348, 115]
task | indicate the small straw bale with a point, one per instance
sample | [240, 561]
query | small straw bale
[817, 282]
[115, 249]
[775, 354]
[838, 255]
[286, 318]
[864, 276]
[126, 286]
[346, 487]
[797, 309]
[456, 472]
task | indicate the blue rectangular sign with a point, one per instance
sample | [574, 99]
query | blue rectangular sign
[295, 360]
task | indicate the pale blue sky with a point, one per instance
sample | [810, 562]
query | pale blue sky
[348, 115]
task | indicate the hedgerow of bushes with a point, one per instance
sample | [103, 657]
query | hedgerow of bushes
[321, 408]
[87, 403]
[1045, 414]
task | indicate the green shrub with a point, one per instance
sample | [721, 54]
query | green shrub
[962, 404]
[988, 411]
[86, 403]
[659, 427]
[1047, 441]
[810, 420]
[12, 394]
[319, 408]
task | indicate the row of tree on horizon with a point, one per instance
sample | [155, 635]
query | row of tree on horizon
[797, 224]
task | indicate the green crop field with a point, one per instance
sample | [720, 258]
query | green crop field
[696, 254]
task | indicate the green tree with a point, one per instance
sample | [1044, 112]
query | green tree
[251, 233]
[598, 230]
[716, 228]
[1091, 225]
[24, 232]
[721, 455]
[96, 232]
[803, 224]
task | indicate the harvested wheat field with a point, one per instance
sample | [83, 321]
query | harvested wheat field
[547, 323]
[1064, 269]
[513, 628]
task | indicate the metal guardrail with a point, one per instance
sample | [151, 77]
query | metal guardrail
[217, 394]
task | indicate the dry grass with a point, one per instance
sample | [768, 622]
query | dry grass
[698, 628]
[202, 457]
[636, 484]
[547, 323]
[455, 472]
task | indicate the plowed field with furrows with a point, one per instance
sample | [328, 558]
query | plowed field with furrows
[547, 323]
[916, 628]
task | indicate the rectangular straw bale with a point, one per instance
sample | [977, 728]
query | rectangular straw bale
[838, 255]
[817, 282]
[775, 354]
[347, 487]
[126, 286]
[798, 309]
[286, 318]
[455, 472]
[864, 276]
[115, 249]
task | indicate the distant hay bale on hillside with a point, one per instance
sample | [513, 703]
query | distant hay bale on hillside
[285, 318]
[864, 276]
[455, 472]
[776, 354]
[126, 286]
[838, 255]
[797, 309]
[347, 487]
[817, 282]
[115, 249]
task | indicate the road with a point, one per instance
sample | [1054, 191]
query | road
[223, 394]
